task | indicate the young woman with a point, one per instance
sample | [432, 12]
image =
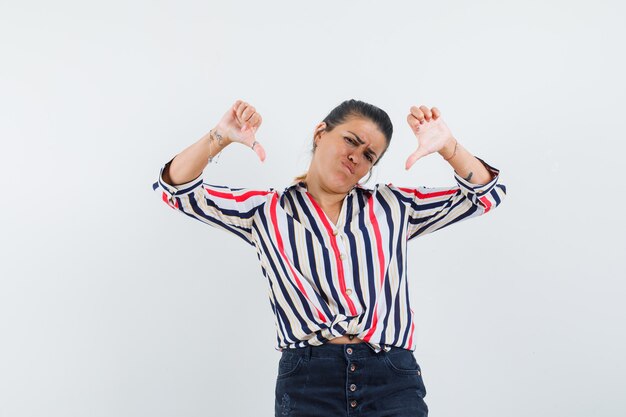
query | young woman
[334, 251]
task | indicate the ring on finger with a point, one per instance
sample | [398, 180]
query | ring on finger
[254, 144]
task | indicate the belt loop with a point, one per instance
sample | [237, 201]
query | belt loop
[307, 353]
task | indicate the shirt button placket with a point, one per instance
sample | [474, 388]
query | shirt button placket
[342, 256]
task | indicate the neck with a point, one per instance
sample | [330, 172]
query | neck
[325, 197]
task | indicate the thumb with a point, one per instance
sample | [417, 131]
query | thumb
[260, 151]
[414, 157]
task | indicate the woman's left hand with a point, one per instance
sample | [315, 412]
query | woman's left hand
[431, 132]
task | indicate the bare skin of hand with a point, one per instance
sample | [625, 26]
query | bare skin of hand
[240, 124]
[430, 130]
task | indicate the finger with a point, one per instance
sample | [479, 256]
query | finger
[419, 115]
[413, 158]
[254, 122]
[242, 106]
[413, 123]
[427, 114]
[260, 151]
[247, 113]
[236, 107]
[436, 113]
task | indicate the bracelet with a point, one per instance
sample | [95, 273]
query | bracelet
[456, 144]
[219, 143]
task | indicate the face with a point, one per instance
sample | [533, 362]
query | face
[346, 154]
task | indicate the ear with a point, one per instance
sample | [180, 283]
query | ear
[319, 130]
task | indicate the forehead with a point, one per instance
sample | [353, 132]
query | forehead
[367, 131]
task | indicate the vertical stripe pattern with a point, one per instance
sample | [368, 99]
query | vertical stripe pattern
[325, 279]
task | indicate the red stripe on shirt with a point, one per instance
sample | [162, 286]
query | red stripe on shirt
[419, 194]
[410, 343]
[381, 264]
[281, 248]
[238, 198]
[167, 201]
[338, 260]
[486, 202]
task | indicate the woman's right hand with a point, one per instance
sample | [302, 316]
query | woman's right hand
[239, 124]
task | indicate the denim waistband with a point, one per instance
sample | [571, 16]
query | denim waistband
[332, 350]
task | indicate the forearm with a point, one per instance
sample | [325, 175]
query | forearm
[464, 163]
[190, 163]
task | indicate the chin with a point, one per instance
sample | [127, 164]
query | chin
[344, 186]
[340, 181]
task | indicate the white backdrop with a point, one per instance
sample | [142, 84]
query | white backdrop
[112, 304]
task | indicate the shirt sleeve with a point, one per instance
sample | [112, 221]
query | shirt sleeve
[230, 209]
[431, 209]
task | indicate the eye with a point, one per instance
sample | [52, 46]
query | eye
[369, 157]
[349, 140]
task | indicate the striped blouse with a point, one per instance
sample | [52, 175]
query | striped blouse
[326, 280]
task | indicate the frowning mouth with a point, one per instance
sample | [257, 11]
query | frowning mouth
[348, 167]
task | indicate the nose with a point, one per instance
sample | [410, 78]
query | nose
[352, 158]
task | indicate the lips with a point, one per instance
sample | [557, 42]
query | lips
[348, 166]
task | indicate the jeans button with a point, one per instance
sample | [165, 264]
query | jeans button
[353, 403]
[352, 367]
[352, 387]
[349, 350]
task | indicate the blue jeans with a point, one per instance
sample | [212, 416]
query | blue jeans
[335, 380]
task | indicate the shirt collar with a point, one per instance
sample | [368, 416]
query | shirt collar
[300, 185]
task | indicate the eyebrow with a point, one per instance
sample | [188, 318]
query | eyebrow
[361, 142]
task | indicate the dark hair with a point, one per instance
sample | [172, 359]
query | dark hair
[356, 108]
